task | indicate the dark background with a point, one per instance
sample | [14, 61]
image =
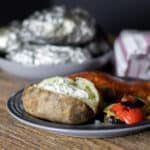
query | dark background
[112, 15]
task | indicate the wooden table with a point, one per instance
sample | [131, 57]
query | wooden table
[17, 136]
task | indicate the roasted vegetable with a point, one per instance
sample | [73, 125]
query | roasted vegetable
[110, 117]
[128, 110]
[127, 114]
[132, 101]
[112, 120]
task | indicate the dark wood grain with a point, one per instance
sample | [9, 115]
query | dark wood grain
[17, 136]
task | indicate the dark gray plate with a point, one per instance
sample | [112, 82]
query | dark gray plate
[43, 71]
[90, 130]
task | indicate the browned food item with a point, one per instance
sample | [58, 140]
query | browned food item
[100, 79]
[55, 107]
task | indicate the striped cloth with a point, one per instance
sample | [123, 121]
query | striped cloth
[132, 54]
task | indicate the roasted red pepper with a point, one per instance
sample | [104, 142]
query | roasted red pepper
[127, 114]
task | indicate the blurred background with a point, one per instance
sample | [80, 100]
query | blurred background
[113, 16]
[119, 34]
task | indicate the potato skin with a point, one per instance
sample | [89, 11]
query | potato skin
[55, 107]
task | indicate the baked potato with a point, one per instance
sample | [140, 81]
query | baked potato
[64, 100]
